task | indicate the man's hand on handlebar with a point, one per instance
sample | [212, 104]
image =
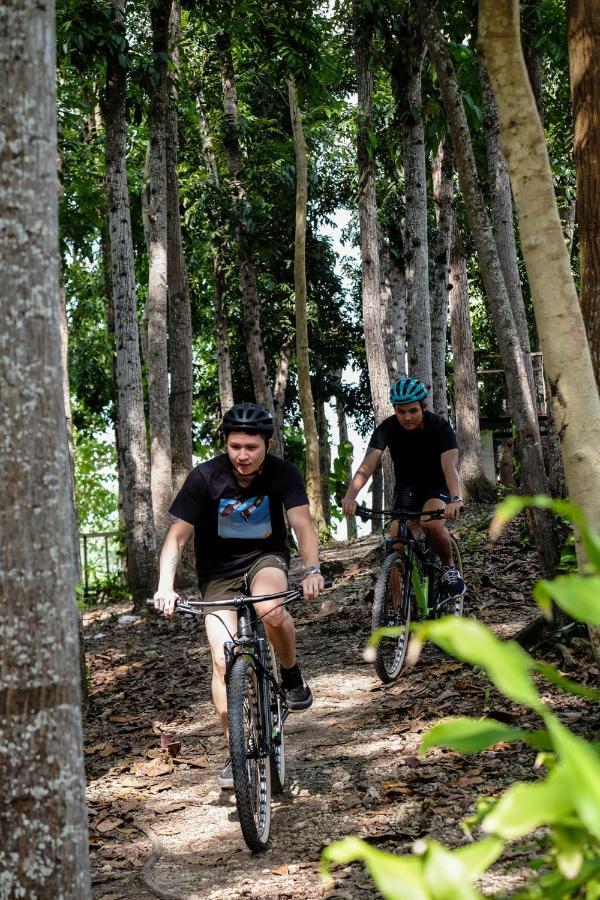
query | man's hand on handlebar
[349, 505]
[312, 585]
[166, 601]
[453, 509]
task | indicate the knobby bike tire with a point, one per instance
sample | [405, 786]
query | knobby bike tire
[250, 765]
[391, 651]
[278, 751]
[454, 606]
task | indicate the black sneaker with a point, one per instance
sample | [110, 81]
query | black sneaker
[225, 779]
[451, 583]
[298, 697]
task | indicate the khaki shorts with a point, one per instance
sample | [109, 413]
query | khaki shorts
[217, 588]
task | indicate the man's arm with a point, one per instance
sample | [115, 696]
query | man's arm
[177, 537]
[449, 461]
[308, 545]
[367, 468]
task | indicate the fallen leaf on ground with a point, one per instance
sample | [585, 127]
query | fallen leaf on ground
[153, 768]
[281, 870]
[108, 825]
[199, 762]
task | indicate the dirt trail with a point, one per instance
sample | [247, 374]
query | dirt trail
[164, 829]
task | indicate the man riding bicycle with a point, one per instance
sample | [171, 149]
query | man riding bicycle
[234, 505]
[424, 452]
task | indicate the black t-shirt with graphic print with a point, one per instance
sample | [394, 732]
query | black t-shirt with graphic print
[416, 454]
[234, 526]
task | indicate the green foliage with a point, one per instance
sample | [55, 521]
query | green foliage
[95, 482]
[566, 801]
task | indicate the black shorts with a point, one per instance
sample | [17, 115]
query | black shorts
[406, 497]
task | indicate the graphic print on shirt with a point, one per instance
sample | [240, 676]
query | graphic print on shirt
[245, 518]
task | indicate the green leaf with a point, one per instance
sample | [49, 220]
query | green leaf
[569, 844]
[582, 772]
[478, 857]
[446, 875]
[571, 687]
[469, 735]
[398, 878]
[577, 595]
[506, 662]
[524, 807]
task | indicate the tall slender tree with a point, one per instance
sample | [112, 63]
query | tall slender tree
[179, 308]
[442, 172]
[161, 478]
[43, 820]
[367, 206]
[311, 435]
[584, 52]
[131, 421]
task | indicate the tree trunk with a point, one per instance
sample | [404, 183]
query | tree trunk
[140, 539]
[179, 310]
[343, 438]
[281, 380]
[568, 363]
[519, 392]
[502, 220]
[43, 816]
[584, 52]
[466, 393]
[161, 478]
[416, 255]
[324, 459]
[311, 435]
[250, 305]
[442, 170]
[393, 311]
[367, 206]
[219, 268]
[377, 499]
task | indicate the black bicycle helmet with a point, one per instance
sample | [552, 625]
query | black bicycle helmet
[407, 390]
[251, 418]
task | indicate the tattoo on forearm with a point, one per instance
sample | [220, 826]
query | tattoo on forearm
[363, 474]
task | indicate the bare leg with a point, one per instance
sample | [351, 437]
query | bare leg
[437, 533]
[217, 634]
[278, 623]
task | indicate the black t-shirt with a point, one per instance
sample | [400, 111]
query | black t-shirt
[416, 454]
[233, 526]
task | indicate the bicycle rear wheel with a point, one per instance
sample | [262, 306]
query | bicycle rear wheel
[277, 737]
[452, 606]
[249, 757]
[391, 609]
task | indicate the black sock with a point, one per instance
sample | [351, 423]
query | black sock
[291, 678]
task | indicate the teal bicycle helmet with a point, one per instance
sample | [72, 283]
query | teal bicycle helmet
[407, 390]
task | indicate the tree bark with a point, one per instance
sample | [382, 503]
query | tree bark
[219, 268]
[584, 52]
[281, 380]
[314, 487]
[466, 392]
[351, 529]
[43, 817]
[568, 363]
[393, 311]
[442, 171]
[324, 459]
[250, 305]
[502, 220]
[367, 206]
[179, 309]
[132, 440]
[519, 392]
[161, 479]
[416, 252]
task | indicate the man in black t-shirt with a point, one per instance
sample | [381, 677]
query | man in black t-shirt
[424, 452]
[234, 505]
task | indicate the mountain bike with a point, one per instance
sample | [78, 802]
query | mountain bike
[408, 587]
[256, 711]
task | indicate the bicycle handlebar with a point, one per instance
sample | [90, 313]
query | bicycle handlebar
[364, 513]
[194, 607]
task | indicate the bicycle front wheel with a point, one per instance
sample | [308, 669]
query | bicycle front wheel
[391, 609]
[249, 754]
